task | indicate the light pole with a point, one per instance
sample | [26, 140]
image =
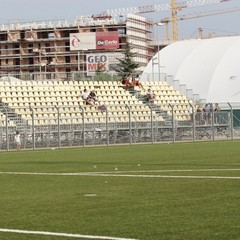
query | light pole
[154, 63]
[158, 24]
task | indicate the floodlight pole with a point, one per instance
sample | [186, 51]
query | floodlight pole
[158, 24]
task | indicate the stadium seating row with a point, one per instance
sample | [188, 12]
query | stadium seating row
[46, 98]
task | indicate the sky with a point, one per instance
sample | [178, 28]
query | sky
[46, 10]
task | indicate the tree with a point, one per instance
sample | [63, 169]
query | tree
[126, 64]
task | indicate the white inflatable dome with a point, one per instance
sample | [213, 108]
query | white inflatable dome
[210, 67]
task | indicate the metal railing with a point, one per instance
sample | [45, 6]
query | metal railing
[84, 128]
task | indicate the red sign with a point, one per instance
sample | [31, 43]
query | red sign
[107, 40]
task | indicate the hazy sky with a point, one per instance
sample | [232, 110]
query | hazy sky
[35, 10]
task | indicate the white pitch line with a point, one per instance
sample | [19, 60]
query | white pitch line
[49, 174]
[178, 170]
[115, 174]
[62, 234]
[163, 176]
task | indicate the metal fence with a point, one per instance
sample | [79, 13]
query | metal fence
[58, 129]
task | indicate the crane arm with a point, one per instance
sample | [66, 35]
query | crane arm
[200, 14]
[160, 7]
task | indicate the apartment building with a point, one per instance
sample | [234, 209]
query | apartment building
[34, 48]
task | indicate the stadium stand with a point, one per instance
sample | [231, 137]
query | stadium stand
[50, 99]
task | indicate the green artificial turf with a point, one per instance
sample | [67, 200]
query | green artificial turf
[129, 202]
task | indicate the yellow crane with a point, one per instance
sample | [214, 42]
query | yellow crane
[174, 7]
[167, 20]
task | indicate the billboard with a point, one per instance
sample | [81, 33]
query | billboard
[105, 62]
[82, 41]
[94, 40]
[107, 40]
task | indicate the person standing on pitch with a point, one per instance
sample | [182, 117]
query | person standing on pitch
[17, 140]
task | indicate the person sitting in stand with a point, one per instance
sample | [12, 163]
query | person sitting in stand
[123, 80]
[90, 101]
[150, 95]
[85, 95]
[129, 82]
[136, 82]
[93, 95]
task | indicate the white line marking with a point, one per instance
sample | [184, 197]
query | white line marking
[62, 234]
[138, 171]
[188, 170]
[97, 174]
[162, 176]
[90, 195]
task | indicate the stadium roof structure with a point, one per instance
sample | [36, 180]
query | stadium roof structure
[210, 67]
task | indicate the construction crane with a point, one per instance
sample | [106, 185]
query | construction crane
[174, 7]
[167, 20]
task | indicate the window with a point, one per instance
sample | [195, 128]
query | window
[42, 35]
[65, 34]
[16, 61]
[67, 48]
[22, 35]
[121, 31]
[30, 47]
[67, 59]
[30, 61]
[51, 35]
[3, 37]
[16, 48]
[47, 47]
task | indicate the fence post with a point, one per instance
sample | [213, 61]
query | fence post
[231, 120]
[7, 138]
[58, 126]
[173, 122]
[152, 140]
[83, 124]
[130, 123]
[193, 122]
[107, 129]
[213, 125]
[33, 128]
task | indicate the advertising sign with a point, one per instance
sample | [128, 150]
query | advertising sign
[82, 41]
[94, 40]
[105, 62]
[107, 40]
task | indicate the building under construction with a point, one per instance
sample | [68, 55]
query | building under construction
[39, 49]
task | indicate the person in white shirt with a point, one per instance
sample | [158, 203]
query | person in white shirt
[17, 139]
[136, 82]
[85, 95]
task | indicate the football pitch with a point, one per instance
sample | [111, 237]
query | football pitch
[182, 191]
